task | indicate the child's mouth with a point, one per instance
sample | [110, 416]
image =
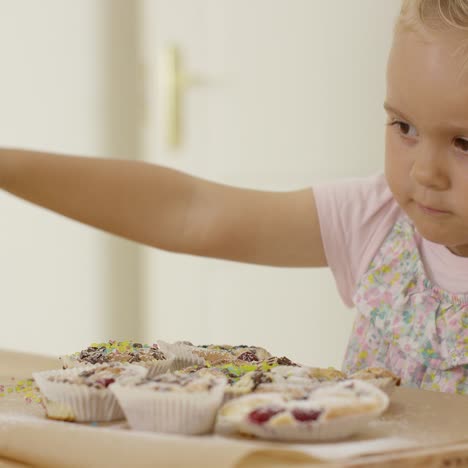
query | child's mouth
[430, 210]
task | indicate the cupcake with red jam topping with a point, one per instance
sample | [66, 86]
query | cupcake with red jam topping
[330, 412]
[125, 352]
[82, 394]
[172, 403]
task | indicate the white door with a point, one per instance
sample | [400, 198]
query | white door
[289, 94]
[61, 285]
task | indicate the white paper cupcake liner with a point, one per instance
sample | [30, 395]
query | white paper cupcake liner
[70, 361]
[336, 429]
[158, 367]
[154, 367]
[169, 412]
[77, 402]
[183, 355]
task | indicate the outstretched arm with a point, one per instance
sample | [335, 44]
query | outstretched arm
[168, 209]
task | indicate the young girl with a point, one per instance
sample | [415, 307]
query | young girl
[396, 243]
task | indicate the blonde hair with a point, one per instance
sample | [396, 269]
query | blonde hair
[434, 14]
[438, 16]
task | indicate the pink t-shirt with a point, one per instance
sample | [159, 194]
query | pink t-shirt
[355, 217]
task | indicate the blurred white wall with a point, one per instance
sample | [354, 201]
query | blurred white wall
[290, 94]
[68, 84]
[71, 81]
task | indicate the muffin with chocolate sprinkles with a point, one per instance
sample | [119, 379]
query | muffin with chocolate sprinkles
[246, 353]
[151, 357]
[233, 370]
[294, 380]
[82, 393]
[188, 354]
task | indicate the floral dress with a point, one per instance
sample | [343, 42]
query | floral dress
[407, 324]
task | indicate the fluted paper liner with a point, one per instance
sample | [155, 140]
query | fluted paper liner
[175, 412]
[154, 367]
[184, 355]
[343, 418]
[78, 402]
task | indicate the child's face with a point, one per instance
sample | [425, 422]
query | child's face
[426, 161]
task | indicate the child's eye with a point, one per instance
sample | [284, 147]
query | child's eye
[404, 128]
[461, 144]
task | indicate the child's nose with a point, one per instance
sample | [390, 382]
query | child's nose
[430, 169]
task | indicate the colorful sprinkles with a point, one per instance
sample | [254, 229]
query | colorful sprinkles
[130, 351]
[26, 388]
[234, 370]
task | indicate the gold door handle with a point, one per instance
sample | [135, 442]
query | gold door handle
[174, 82]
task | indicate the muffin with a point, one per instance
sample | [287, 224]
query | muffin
[81, 393]
[188, 354]
[148, 356]
[242, 352]
[183, 354]
[330, 412]
[232, 371]
[378, 376]
[274, 361]
[295, 380]
[172, 403]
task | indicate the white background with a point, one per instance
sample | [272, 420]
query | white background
[293, 95]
